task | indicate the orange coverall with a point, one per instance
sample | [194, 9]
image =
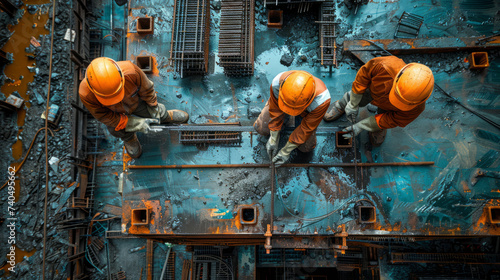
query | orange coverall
[310, 120]
[378, 76]
[137, 86]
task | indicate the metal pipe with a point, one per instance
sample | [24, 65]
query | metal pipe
[273, 192]
[292, 165]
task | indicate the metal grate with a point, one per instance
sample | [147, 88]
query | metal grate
[120, 275]
[278, 256]
[469, 258]
[236, 39]
[95, 43]
[408, 26]
[328, 45]
[190, 37]
[226, 138]
[210, 263]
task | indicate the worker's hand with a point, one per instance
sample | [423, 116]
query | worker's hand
[272, 144]
[157, 112]
[352, 107]
[284, 154]
[136, 124]
[369, 124]
[348, 131]
[351, 112]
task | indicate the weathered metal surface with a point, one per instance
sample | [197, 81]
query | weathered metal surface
[236, 39]
[328, 45]
[190, 37]
[364, 50]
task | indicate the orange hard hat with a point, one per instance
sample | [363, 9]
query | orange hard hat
[413, 86]
[105, 79]
[296, 92]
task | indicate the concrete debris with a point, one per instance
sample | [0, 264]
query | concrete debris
[286, 59]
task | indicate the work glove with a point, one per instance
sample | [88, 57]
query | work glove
[369, 124]
[352, 107]
[136, 124]
[156, 112]
[284, 154]
[272, 144]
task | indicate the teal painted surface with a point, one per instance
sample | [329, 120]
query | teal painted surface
[410, 200]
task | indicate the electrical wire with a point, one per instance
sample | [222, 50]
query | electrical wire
[27, 153]
[316, 219]
[481, 116]
[47, 141]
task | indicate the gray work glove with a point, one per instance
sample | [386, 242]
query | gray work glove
[369, 124]
[272, 144]
[284, 154]
[352, 107]
[156, 112]
[137, 124]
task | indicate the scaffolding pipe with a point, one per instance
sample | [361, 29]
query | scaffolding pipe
[291, 165]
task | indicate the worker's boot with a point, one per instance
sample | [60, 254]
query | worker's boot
[174, 116]
[133, 147]
[377, 137]
[336, 112]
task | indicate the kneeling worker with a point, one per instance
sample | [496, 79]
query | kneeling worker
[399, 90]
[120, 95]
[293, 93]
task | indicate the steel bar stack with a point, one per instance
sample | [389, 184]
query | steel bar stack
[236, 39]
[327, 35]
[408, 26]
[190, 37]
[222, 138]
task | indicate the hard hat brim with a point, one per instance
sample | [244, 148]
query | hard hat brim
[397, 103]
[287, 110]
[113, 100]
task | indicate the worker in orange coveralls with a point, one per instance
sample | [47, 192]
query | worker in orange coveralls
[293, 93]
[119, 95]
[399, 90]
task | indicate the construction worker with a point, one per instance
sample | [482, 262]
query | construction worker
[293, 93]
[399, 90]
[119, 95]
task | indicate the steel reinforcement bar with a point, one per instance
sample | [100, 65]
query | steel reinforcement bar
[236, 38]
[190, 37]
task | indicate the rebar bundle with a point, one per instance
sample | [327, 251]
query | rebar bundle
[236, 39]
[190, 37]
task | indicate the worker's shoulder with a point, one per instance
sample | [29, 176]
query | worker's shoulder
[128, 68]
[387, 59]
[320, 85]
[85, 93]
[390, 64]
[83, 89]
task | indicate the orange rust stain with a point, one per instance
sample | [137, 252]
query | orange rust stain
[456, 132]
[17, 149]
[465, 187]
[267, 62]
[20, 254]
[126, 159]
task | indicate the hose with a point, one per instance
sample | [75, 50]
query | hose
[28, 152]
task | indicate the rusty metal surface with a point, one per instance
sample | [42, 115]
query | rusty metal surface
[328, 45]
[365, 51]
[190, 37]
[410, 201]
[236, 39]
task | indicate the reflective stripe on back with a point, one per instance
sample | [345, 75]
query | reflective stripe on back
[318, 100]
[276, 85]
